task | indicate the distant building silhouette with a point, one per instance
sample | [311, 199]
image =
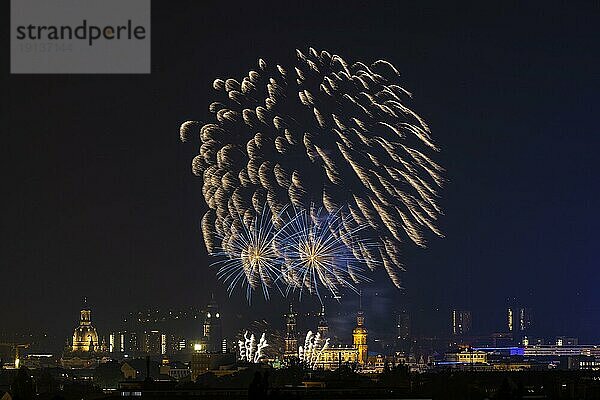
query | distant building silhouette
[291, 336]
[461, 322]
[519, 321]
[403, 326]
[213, 335]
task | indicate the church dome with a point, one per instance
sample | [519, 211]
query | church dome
[85, 337]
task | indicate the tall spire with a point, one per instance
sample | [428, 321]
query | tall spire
[360, 315]
[291, 341]
[360, 299]
[359, 335]
[323, 327]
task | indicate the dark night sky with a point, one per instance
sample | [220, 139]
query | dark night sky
[99, 201]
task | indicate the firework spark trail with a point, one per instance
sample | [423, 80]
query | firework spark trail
[314, 346]
[312, 249]
[262, 343]
[321, 249]
[250, 350]
[321, 131]
[249, 345]
[249, 257]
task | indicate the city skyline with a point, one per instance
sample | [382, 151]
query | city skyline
[190, 324]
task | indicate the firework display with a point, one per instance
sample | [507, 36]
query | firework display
[250, 350]
[312, 249]
[273, 336]
[249, 258]
[316, 249]
[322, 134]
[314, 346]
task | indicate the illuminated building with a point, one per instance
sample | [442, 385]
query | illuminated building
[566, 341]
[112, 345]
[212, 328]
[291, 339]
[518, 320]
[151, 342]
[359, 338]
[85, 350]
[562, 350]
[467, 356]
[127, 342]
[336, 355]
[355, 354]
[524, 319]
[461, 322]
[212, 339]
[85, 337]
[585, 363]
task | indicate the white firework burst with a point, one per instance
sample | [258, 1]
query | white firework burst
[321, 249]
[249, 258]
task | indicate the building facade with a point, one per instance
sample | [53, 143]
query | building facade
[355, 355]
[467, 357]
[335, 356]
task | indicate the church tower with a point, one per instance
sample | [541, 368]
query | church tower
[212, 327]
[359, 338]
[291, 340]
[323, 327]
